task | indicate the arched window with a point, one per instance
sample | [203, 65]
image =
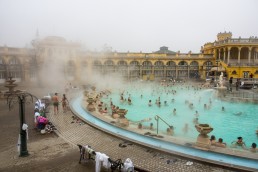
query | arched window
[146, 65]
[208, 65]
[134, 64]
[121, 63]
[14, 61]
[234, 72]
[15, 69]
[96, 63]
[97, 66]
[122, 68]
[171, 65]
[109, 63]
[159, 65]
[108, 66]
[194, 70]
[182, 65]
[134, 69]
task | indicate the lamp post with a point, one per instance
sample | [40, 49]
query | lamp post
[21, 98]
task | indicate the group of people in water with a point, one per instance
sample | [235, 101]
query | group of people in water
[238, 143]
[123, 100]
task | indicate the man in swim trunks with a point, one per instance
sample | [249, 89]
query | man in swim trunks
[55, 103]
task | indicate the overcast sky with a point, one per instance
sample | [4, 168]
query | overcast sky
[127, 25]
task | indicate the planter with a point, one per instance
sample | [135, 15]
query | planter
[203, 129]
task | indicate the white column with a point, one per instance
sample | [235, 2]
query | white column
[239, 51]
[228, 55]
[249, 55]
[219, 54]
[224, 54]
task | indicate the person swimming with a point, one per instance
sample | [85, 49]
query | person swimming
[174, 111]
[212, 140]
[253, 148]
[185, 128]
[149, 103]
[170, 130]
[196, 121]
[238, 113]
[196, 114]
[239, 142]
[220, 143]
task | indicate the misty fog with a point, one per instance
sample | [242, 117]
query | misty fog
[134, 26]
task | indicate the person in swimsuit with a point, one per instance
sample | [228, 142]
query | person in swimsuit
[64, 103]
[212, 140]
[220, 143]
[239, 142]
[55, 103]
[253, 148]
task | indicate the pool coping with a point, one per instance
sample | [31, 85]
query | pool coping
[219, 163]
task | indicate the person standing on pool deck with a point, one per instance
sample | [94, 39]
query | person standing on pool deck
[55, 103]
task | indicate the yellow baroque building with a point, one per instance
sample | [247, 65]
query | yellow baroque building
[235, 57]
[238, 57]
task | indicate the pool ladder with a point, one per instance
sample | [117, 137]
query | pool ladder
[157, 117]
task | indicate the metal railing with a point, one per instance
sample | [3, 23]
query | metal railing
[242, 95]
[157, 117]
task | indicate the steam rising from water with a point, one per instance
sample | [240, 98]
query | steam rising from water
[54, 74]
[109, 81]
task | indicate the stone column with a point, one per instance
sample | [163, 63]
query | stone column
[128, 73]
[165, 71]
[219, 54]
[176, 72]
[102, 68]
[188, 71]
[228, 60]
[256, 53]
[249, 54]
[141, 71]
[215, 53]
[224, 54]
[239, 51]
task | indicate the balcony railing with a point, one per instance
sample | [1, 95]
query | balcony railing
[243, 62]
[237, 41]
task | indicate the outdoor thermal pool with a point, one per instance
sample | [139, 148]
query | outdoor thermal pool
[180, 98]
[237, 119]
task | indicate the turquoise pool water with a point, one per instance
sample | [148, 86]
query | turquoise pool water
[238, 119]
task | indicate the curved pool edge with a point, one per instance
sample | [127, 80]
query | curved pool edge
[226, 160]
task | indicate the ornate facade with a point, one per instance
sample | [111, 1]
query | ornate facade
[237, 57]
